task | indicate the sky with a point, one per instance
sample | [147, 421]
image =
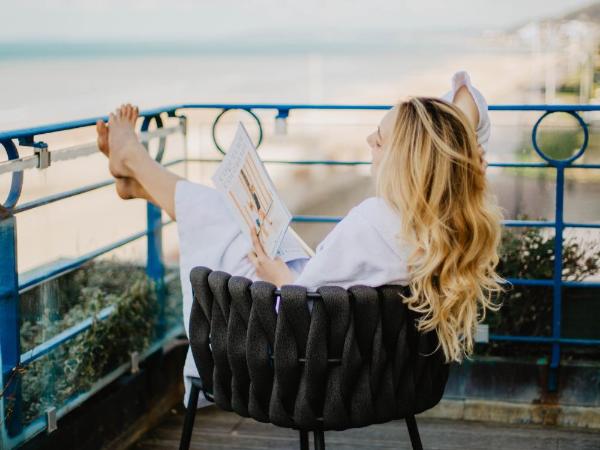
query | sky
[153, 20]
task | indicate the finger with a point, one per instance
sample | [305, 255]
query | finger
[253, 259]
[258, 248]
[253, 236]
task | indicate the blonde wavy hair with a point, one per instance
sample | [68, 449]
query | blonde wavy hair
[431, 174]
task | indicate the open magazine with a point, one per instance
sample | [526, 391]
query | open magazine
[242, 178]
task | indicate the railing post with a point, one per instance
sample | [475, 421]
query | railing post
[10, 348]
[154, 262]
[155, 268]
[557, 279]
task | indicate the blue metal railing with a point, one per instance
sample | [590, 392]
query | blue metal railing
[12, 432]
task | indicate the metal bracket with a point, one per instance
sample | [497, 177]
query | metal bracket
[40, 149]
[482, 333]
[135, 362]
[281, 122]
[183, 124]
[51, 421]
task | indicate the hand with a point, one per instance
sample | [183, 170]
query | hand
[482, 158]
[272, 270]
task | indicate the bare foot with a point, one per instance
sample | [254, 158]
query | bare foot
[122, 141]
[127, 188]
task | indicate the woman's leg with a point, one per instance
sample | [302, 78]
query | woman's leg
[209, 235]
[137, 174]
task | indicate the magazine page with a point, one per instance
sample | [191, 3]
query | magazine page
[293, 247]
[244, 181]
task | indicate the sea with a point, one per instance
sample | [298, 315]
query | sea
[49, 82]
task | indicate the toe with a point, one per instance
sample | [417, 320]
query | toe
[133, 114]
[129, 112]
[102, 139]
[101, 129]
[112, 118]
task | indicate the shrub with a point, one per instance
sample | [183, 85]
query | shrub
[527, 310]
[74, 366]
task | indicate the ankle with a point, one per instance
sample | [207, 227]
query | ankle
[136, 156]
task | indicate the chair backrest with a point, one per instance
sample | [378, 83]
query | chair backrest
[354, 360]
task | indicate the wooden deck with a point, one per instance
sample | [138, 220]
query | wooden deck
[215, 429]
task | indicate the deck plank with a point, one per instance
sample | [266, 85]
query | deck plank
[216, 429]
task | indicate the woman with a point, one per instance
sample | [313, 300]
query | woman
[432, 225]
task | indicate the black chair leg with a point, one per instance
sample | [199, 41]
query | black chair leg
[190, 415]
[319, 440]
[413, 432]
[303, 440]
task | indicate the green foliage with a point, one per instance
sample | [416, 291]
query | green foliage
[560, 144]
[527, 310]
[76, 365]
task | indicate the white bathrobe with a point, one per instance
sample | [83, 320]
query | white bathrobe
[361, 249]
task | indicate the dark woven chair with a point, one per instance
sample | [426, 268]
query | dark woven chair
[330, 360]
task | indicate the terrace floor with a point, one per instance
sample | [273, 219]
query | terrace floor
[217, 429]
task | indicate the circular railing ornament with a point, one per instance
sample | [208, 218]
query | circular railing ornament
[220, 116]
[162, 140]
[573, 157]
[16, 182]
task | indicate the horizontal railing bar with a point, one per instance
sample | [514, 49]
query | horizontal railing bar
[519, 164]
[73, 192]
[73, 124]
[508, 223]
[583, 166]
[530, 282]
[40, 424]
[316, 219]
[581, 225]
[299, 162]
[529, 223]
[146, 136]
[62, 269]
[555, 108]
[61, 196]
[17, 165]
[581, 284]
[63, 336]
[544, 340]
[78, 151]
[170, 109]
[333, 162]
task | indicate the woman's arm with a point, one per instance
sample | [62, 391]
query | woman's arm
[464, 100]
